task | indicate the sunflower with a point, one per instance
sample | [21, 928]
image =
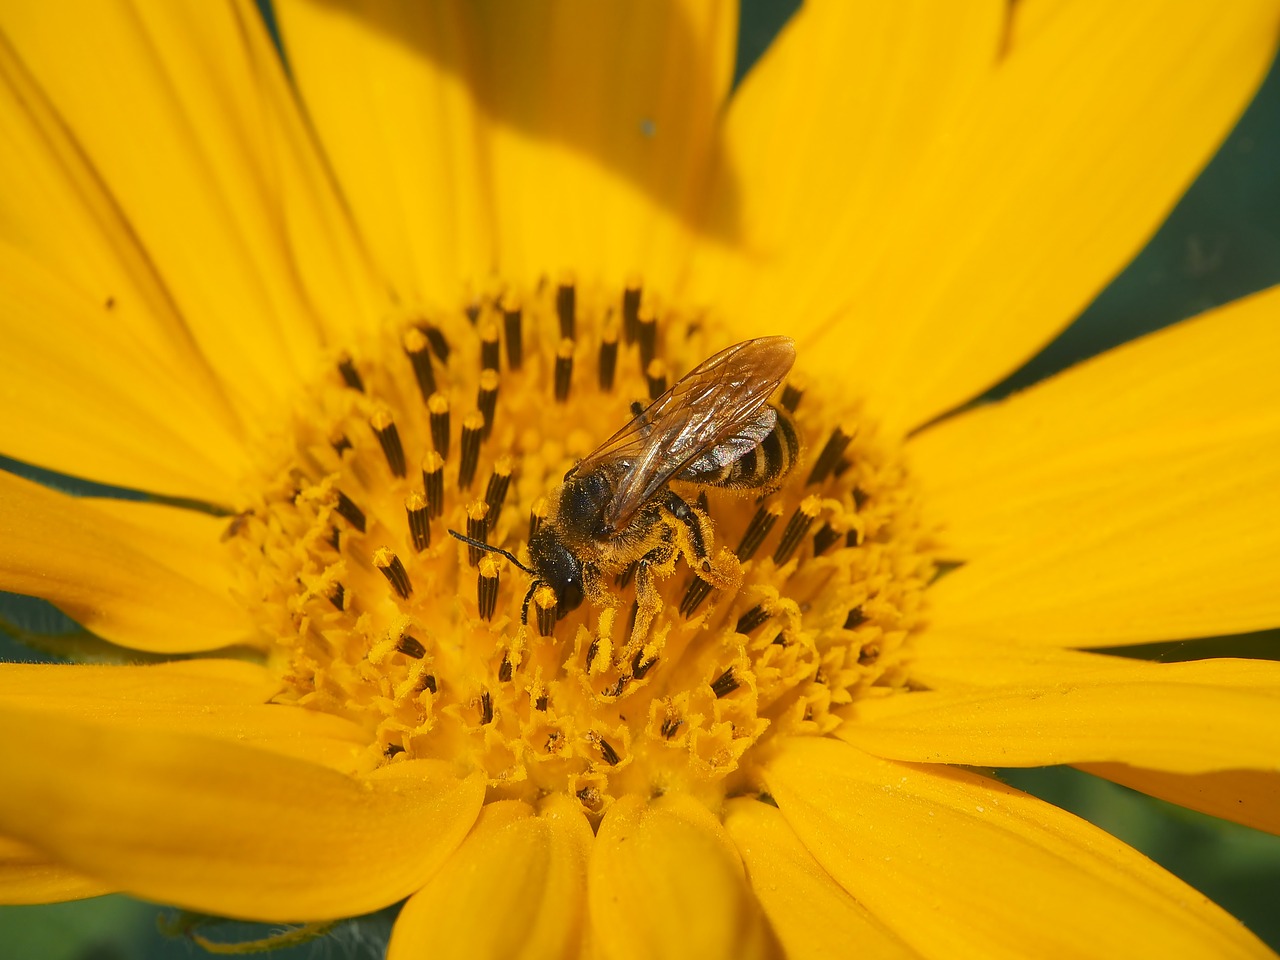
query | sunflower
[334, 316]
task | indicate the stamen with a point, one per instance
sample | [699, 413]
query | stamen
[391, 567]
[487, 595]
[512, 328]
[415, 506]
[647, 334]
[751, 619]
[855, 618]
[385, 429]
[433, 482]
[393, 749]
[564, 370]
[759, 527]
[537, 514]
[608, 357]
[439, 344]
[438, 413]
[429, 682]
[631, 310]
[411, 646]
[350, 512]
[592, 650]
[869, 654]
[340, 444]
[796, 528]
[693, 596]
[487, 399]
[499, 481]
[609, 754]
[670, 725]
[656, 374]
[477, 529]
[486, 709]
[490, 349]
[791, 397]
[830, 455]
[472, 434]
[350, 375]
[853, 537]
[504, 668]
[641, 666]
[567, 307]
[824, 539]
[418, 350]
[338, 595]
[544, 605]
[724, 684]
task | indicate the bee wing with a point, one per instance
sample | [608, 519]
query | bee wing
[711, 403]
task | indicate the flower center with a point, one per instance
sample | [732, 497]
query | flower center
[723, 618]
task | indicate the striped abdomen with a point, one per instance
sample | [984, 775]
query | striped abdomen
[757, 457]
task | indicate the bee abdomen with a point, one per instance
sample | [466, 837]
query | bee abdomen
[764, 465]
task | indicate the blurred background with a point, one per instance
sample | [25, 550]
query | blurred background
[1221, 242]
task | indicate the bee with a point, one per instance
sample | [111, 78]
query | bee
[713, 428]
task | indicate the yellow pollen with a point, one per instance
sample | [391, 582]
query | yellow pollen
[751, 614]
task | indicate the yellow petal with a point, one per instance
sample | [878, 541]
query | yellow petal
[812, 915]
[665, 881]
[1183, 717]
[29, 876]
[223, 828]
[515, 888]
[1129, 499]
[961, 866]
[1242, 796]
[141, 582]
[225, 699]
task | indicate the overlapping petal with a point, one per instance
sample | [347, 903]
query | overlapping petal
[1242, 796]
[28, 876]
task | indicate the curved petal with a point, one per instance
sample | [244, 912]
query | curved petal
[224, 699]
[1193, 717]
[530, 871]
[223, 828]
[665, 881]
[126, 581]
[1247, 797]
[28, 876]
[1131, 498]
[812, 915]
[961, 866]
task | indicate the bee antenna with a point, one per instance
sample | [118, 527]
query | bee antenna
[480, 544]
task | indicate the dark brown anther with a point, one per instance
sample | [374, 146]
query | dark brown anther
[796, 528]
[608, 358]
[693, 597]
[418, 351]
[487, 398]
[791, 397]
[842, 465]
[487, 598]
[415, 506]
[869, 654]
[831, 453]
[724, 684]
[609, 754]
[860, 498]
[391, 567]
[472, 434]
[499, 482]
[537, 514]
[592, 650]
[513, 330]
[751, 619]
[759, 527]
[631, 310]
[855, 618]
[338, 596]
[591, 799]
[428, 683]
[626, 576]
[544, 605]
[392, 750]
[486, 708]
[647, 335]
[439, 344]
[853, 537]
[490, 349]
[567, 308]
[640, 666]
[504, 669]
[438, 414]
[656, 375]
[824, 539]
[350, 375]
[340, 444]
[541, 703]
[350, 512]
[335, 538]
[477, 528]
[411, 647]
[564, 370]
[385, 430]
[619, 685]
[433, 483]
[670, 725]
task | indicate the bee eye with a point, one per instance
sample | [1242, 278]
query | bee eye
[568, 597]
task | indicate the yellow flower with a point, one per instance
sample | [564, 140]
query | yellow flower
[408, 286]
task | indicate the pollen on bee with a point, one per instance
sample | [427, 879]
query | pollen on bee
[386, 561]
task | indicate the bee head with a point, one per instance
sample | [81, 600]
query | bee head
[558, 567]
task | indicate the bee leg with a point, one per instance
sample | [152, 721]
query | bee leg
[593, 586]
[648, 600]
[528, 598]
[692, 519]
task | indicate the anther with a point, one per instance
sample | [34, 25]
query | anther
[640, 666]
[391, 567]
[824, 539]
[693, 597]
[392, 750]
[567, 307]
[830, 455]
[537, 514]
[751, 619]
[439, 345]
[656, 375]
[564, 370]
[647, 334]
[338, 595]
[477, 528]
[724, 684]
[608, 357]
[853, 537]
[335, 538]
[385, 429]
[504, 669]
[791, 397]
[631, 310]
[869, 654]
[487, 398]
[544, 604]
[592, 649]
[860, 498]
[428, 682]
[855, 618]
[609, 754]
[511, 327]
[489, 347]
[415, 506]
[350, 375]
[348, 510]
[670, 725]
[541, 703]
[499, 482]
[796, 528]
[757, 530]
[487, 597]
[472, 311]
[590, 798]
[340, 444]
[438, 414]
[433, 483]
[472, 434]
[486, 709]
[419, 352]
[411, 646]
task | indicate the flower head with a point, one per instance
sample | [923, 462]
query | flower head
[581, 554]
